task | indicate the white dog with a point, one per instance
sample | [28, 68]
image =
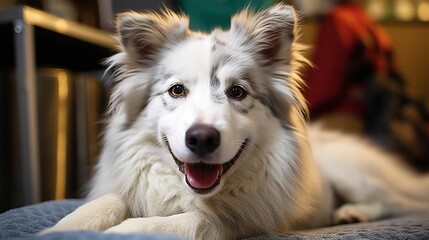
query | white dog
[207, 139]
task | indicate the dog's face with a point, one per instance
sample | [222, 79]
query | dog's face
[214, 97]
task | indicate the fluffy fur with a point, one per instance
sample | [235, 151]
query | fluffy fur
[243, 85]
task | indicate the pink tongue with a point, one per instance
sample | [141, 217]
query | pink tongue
[202, 176]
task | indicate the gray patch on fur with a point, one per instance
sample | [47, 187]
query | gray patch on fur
[240, 108]
[246, 110]
[214, 81]
[270, 97]
[219, 97]
[169, 105]
[217, 43]
[164, 103]
[277, 105]
[165, 76]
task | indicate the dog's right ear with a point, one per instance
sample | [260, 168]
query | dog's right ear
[144, 35]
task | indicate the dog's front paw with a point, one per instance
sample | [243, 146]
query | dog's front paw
[72, 224]
[140, 225]
[127, 226]
[62, 227]
[349, 214]
[97, 215]
[189, 225]
[69, 223]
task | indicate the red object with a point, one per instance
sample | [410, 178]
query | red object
[341, 30]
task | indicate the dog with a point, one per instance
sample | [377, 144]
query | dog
[207, 138]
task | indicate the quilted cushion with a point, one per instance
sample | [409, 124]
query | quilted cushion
[25, 222]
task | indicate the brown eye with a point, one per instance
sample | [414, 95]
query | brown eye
[177, 90]
[237, 92]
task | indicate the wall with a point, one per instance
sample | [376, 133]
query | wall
[411, 44]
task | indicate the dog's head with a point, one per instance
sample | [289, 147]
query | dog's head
[214, 97]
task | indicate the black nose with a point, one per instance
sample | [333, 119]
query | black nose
[202, 139]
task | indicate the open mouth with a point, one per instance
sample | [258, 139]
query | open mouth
[204, 177]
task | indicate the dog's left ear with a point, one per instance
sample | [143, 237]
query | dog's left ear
[271, 35]
[270, 32]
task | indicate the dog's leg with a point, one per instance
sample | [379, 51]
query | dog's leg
[190, 225]
[97, 215]
[361, 212]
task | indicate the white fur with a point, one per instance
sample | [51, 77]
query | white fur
[275, 185]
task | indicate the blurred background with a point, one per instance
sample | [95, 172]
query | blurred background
[53, 92]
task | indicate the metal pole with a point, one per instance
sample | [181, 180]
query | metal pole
[29, 189]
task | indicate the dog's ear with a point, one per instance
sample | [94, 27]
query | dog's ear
[144, 35]
[271, 32]
[271, 35]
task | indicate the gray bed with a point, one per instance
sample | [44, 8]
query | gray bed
[25, 222]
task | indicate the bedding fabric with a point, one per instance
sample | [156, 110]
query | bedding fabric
[25, 222]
